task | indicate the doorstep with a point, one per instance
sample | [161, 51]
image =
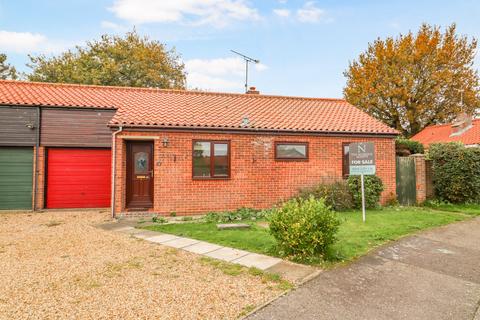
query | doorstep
[297, 273]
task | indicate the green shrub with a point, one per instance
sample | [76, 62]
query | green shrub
[373, 190]
[304, 228]
[336, 195]
[456, 172]
[237, 215]
[157, 219]
[412, 147]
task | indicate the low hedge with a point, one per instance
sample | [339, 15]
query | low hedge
[456, 172]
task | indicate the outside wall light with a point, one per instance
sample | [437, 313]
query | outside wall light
[165, 142]
[30, 126]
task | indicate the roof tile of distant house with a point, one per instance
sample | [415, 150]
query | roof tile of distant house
[161, 108]
[443, 133]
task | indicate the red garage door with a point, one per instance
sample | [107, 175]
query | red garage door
[78, 178]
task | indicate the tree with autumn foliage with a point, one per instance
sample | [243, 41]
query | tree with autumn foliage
[415, 80]
[130, 60]
[6, 70]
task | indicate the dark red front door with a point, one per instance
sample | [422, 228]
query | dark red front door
[139, 175]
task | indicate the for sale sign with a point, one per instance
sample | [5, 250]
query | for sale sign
[362, 158]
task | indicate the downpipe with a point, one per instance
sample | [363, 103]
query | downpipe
[37, 150]
[114, 158]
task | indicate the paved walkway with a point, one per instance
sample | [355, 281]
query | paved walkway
[291, 271]
[434, 275]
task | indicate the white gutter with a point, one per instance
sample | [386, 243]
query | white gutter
[114, 158]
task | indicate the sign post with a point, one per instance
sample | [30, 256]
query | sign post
[361, 156]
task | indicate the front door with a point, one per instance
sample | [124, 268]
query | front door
[139, 175]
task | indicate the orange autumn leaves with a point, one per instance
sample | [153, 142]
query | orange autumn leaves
[415, 80]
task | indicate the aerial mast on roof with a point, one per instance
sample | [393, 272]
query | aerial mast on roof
[247, 61]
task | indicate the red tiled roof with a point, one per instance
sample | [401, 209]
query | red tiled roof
[160, 108]
[442, 132]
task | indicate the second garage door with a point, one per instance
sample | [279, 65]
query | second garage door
[16, 167]
[78, 178]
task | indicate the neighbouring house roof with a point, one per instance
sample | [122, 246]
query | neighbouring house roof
[443, 133]
[162, 108]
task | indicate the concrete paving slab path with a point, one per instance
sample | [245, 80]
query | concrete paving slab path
[144, 234]
[256, 260]
[122, 228]
[202, 247]
[227, 254]
[161, 238]
[180, 243]
[432, 275]
[293, 272]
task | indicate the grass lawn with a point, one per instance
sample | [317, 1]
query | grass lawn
[355, 238]
[471, 209]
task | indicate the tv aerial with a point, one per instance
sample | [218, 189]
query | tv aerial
[247, 61]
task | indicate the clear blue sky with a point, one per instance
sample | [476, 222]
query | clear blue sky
[303, 46]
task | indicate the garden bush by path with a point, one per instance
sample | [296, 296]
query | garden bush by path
[304, 228]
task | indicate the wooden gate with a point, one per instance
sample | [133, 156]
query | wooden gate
[406, 184]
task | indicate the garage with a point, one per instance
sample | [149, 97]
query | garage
[78, 178]
[16, 178]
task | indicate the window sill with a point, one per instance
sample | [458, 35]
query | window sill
[289, 160]
[210, 178]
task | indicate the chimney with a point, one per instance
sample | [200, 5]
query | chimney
[461, 124]
[253, 90]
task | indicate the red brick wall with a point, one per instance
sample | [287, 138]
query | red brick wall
[41, 176]
[420, 177]
[257, 180]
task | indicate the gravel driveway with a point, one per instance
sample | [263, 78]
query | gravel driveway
[57, 265]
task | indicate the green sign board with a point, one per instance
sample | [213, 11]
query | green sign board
[362, 158]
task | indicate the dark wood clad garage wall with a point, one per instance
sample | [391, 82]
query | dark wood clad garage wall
[76, 128]
[13, 126]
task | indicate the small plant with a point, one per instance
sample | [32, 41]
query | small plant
[246, 310]
[187, 218]
[173, 214]
[337, 195]
[304, 228]
[212, 217]
[436, 203]
[157, 219]
[392, 200]
[237, 215]
[373, 190]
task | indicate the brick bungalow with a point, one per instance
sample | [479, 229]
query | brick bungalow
[193, 152]
[179, 151]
